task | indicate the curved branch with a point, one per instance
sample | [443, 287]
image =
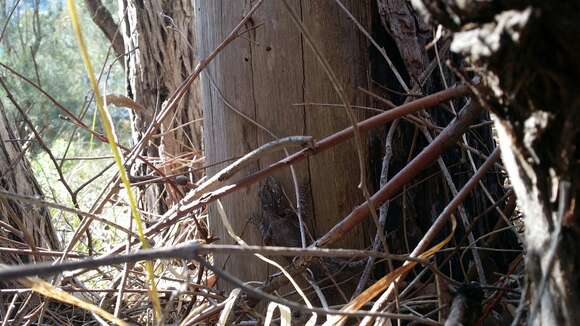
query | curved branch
[104, 20]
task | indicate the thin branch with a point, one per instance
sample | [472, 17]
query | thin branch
[383, 210]
[104, 20]
[230, 170]
[429, 155]
[186, 251]
[188, 203]
[189, 251]
[442, 219]
[8, 19]
[175, 98]
[339, 89]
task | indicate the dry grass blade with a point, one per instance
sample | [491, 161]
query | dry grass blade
[230, 303]
[285, 315]
[386, 281]
[240, 241]
[44, 288]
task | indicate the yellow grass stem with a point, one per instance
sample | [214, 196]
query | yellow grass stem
[112, 138]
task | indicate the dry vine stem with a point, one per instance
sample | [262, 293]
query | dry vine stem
[186, 251]
[190, 203]
[278, 144]
[427, 157]
[439, 224]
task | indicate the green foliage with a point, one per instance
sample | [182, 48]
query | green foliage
[39, 43]
[77, 170]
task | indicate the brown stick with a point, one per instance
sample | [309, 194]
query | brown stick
[446, 138]
[427, 157]
[443, 218]
[189, 203]
[440, 222]
[184, 251]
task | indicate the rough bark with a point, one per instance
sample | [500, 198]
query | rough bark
[159, 37]
[23, 226]
[410, 216]
[529, 52]
[262, 74]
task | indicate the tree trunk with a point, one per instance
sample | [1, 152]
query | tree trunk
[530, 52]
[422, 65]
[160, 42]
[23, 226]
[263, 74]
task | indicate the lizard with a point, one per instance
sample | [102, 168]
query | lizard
[278, 226]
